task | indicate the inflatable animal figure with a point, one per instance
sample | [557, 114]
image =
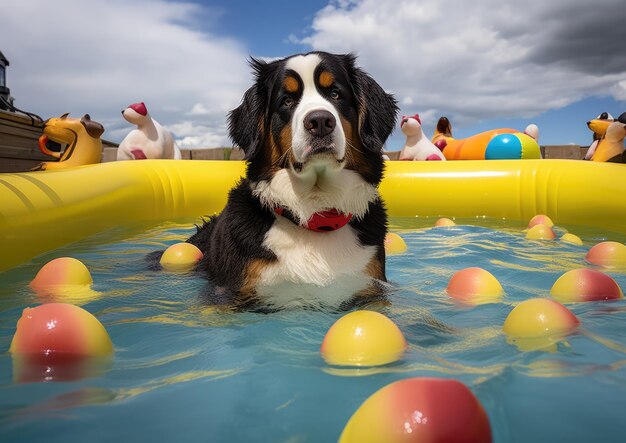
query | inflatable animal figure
[497, 144]
[417, 147]
[149, 140]
[598, 126]
[81, 137]
[611, 147]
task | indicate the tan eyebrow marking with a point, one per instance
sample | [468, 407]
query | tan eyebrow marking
[291, 84]
[326, 79]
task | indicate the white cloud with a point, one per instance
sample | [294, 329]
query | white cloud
[190, 134]
[476, 61]
[619, 91]
[198, 109]
[98, 57]
[471, 61]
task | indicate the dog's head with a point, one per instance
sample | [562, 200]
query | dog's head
[313, 112]
[135, 113]
[411, 125]
[66, 130]
[600, 124]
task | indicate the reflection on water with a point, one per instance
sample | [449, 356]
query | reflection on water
[184, 368]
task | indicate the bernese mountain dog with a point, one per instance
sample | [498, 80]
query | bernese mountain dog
[306, 227]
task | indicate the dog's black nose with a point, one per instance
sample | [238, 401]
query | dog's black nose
[320, 123]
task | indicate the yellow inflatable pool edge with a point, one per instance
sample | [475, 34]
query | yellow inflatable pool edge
[41, 211]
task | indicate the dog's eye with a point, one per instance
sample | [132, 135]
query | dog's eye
[334, 94]
[287, 101]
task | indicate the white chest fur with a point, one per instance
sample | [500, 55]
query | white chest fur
[313, 268]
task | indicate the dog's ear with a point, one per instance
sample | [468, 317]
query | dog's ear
[377, 110]
[93, 128]
[246, 123]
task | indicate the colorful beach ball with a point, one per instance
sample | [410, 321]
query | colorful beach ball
[511, 147]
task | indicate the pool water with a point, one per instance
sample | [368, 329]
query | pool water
[184, 371]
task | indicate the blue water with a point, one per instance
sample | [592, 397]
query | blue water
[183, 371]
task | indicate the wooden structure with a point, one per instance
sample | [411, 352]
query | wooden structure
[18, 142]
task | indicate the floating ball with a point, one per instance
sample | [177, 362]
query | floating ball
[512, 146]
[394, 244]
[540, 232]
[540, 220]
[572, 239]
[60, 329]
[580, 285]
[62, 271]
[442, 222]
[180, 257]
[475, 286]
[363, 338]
[421, 409]
[608, 254]
[539, 317]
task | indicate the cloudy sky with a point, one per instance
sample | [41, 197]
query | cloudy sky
[484, 64]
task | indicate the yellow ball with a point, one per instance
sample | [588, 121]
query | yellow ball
[180, 257]
[539, 317]
[539, 323]
[444, 222]
[363, 338]
[572, 239]
[394, 244]
[540, 232]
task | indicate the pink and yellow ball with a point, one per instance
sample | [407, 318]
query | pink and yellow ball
[540, 232]
[540, 219]
[443, 222]
[363, 338]
[421, 409]
[180, 257]
[60, 272]
[582, 285]
[539, 317]
[475, 286]
[60, 329]
[394, 244]
[608, 254]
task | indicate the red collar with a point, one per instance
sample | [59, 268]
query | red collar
[323, 221]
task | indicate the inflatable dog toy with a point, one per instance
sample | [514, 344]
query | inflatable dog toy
[611, 147]
[598, 126]
[82, 137]
[417, 147]
[497, 144]
[149, 140]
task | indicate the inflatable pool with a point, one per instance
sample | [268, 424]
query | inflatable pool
[41, 211]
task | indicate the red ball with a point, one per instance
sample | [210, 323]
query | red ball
[59, 342]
